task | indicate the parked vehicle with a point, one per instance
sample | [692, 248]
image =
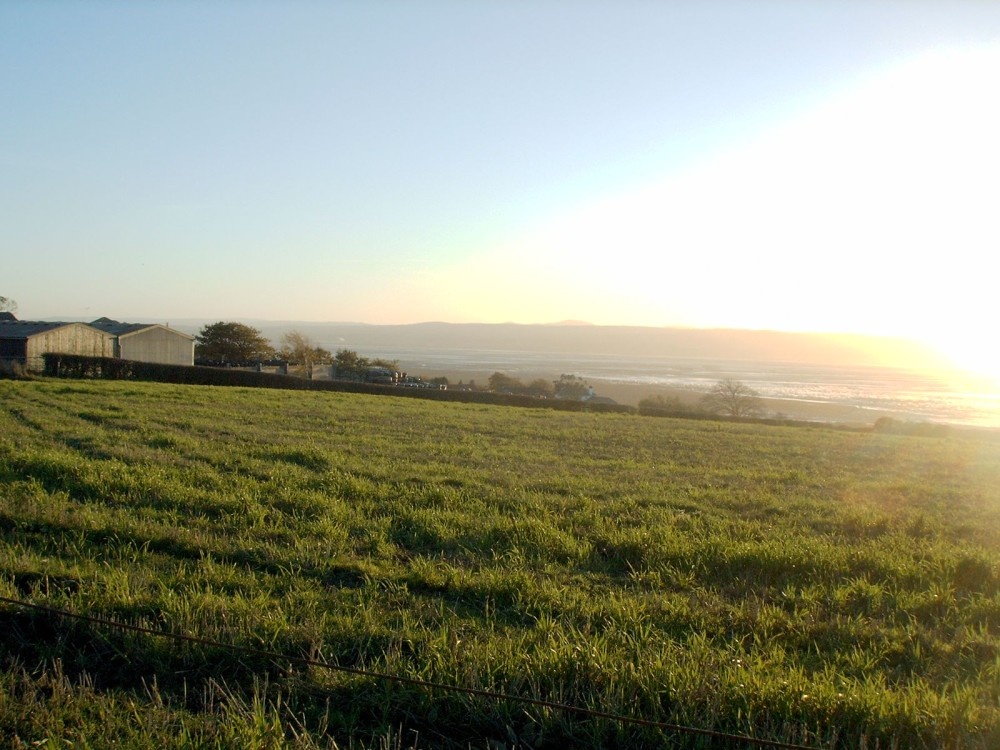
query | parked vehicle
[384, 376]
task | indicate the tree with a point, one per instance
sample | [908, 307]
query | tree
[539, 388]
[300, 350]
[232, 344]
[571, 387]
[388, 364]
[349, 365]
[501, 383]
[8, 305]
[733, 399]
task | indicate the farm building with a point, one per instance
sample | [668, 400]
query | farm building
[148, 342]
[24, 342]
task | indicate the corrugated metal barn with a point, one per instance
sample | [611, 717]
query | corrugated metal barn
[149, 342]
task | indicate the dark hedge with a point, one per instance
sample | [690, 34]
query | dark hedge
[77, 366]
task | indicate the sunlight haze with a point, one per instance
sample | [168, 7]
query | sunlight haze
[821, 166]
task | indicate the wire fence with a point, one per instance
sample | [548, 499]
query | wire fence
[423, 684]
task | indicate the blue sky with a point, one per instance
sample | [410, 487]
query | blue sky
[787, 165]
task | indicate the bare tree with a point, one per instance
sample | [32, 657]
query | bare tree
[8, 305]
[299, 349]
[732, 398]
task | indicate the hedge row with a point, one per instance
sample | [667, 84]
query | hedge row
[78, 366]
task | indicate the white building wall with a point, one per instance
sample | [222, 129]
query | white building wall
[157, 344]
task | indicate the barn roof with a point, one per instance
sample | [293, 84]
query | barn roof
[116, 328]
[25, 329]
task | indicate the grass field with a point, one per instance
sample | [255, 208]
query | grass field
[803, 585]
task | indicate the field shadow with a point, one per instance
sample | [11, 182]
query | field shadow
[106, 542]
[114, 658]
[502, 605]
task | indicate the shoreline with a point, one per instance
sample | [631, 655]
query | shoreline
[631, 393]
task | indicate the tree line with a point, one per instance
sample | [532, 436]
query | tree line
[239, 345]
[571, 387]
[728, 398]
[232, 344]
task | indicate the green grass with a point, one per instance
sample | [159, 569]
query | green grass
[805, 585]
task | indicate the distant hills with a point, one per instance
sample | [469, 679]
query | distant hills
[578, 338]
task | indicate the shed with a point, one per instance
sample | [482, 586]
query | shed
[148, 342]
[24, 342]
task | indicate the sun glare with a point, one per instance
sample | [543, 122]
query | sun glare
[975, 356]
[873, 213]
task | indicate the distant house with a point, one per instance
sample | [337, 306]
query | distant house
[148, 342]
[24, 342]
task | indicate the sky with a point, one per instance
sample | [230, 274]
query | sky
[830, 165]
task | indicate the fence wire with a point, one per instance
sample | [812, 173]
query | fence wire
[425, 684]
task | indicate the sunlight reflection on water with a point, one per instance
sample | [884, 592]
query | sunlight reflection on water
[956, 398]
